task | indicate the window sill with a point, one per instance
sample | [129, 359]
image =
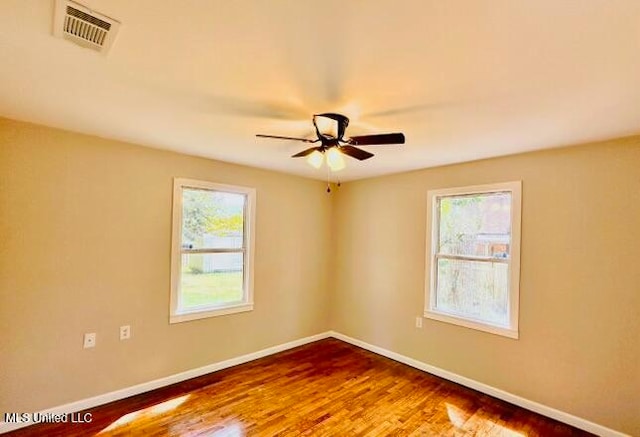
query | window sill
[202, 314]
[472, 324]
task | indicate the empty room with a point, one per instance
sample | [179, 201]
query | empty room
[336, 218]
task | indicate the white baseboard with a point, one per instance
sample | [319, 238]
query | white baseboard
[84, 404]
[561, 416]
[558, 415]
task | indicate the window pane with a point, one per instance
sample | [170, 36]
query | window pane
[212, 219]
[475, 225]
[211, 279]
[473, 289]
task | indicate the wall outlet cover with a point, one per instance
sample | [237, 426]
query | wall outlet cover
[125, 332]
[89, 340]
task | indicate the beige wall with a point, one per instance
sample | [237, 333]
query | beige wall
[85, 228]
[579, 347]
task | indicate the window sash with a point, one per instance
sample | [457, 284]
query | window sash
[220, 250]
[491, 259]
[438, 255]
[209, 250]
[215, 306]
[204, 307]
[436, 272]
[244, 221]
[438, 206]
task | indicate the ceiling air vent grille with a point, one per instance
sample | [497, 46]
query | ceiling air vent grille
[83, 26]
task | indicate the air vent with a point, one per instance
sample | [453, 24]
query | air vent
[85, 27]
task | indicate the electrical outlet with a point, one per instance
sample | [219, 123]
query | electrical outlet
[418, 322]
[125, 332]
[89, 340]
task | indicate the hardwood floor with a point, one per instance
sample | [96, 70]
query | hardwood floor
[327, 388]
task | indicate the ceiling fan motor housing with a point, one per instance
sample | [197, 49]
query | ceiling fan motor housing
[342, 120]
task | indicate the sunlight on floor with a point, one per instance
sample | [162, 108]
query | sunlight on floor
[459, 418]
[147, 412]
[233, 430]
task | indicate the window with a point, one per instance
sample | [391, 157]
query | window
[212, 251]
[474, 257]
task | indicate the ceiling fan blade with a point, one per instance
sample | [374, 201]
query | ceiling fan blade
[305, 152]
[379, 139]
[287, 138]
[354, 152]
[201, 100]
[403, 110]
[254, 108]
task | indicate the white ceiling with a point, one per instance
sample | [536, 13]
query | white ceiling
[462, 79]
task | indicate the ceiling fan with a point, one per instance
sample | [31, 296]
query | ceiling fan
[330, 129]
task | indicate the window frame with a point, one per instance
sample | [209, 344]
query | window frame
[175, 314]
[513, 280]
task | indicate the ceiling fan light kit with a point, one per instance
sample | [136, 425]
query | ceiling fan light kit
[335, 161]
[315, 159]
[330, 129]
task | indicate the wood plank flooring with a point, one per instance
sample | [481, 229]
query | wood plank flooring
[326, 388]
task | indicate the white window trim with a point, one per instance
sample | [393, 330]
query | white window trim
[176, 237]
[514, 264]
